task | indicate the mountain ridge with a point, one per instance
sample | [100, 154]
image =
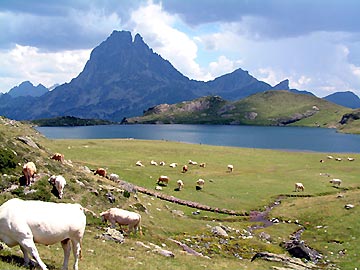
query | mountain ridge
[122, 78]
[273, 108]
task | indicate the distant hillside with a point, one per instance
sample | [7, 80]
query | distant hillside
[28, 89]
[266, 108]
[69, 121]
[346, 99]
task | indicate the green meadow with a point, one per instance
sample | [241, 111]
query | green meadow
[259, 178]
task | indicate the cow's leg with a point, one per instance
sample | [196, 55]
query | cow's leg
[67, 248]
[29, 246]
[26, 256]
[77, 252]
[113, 224]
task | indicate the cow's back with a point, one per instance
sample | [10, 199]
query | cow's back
[124, 217]
[49, 222]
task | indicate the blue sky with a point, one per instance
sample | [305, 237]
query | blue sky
[314, 44]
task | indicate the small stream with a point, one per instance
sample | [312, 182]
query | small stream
[295, 246]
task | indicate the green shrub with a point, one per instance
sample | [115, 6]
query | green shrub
[8, 160]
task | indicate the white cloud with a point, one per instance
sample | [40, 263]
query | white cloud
[25, 63]
[158, 29]
[318, 62]
[222, 66]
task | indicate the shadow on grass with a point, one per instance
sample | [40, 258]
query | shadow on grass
[19, 261]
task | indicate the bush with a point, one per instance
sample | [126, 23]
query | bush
[8, 160]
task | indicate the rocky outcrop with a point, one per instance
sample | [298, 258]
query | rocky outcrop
[355, 115]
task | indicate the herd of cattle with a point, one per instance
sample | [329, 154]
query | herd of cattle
[335, 181]
[25, 223]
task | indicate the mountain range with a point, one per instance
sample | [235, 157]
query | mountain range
[123, 78]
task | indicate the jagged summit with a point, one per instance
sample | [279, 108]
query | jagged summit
[283, 85]
[26, 88]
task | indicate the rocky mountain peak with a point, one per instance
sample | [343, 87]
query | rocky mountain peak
[283, 85]
[26, 88]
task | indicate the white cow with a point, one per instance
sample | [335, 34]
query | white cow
[25, 223]
[122, 217]
[230, 167]
[299, 186]
[138, 163]
[180, 184]
[192, 162]
[173, 165]
[59, 182]
[29, 170]
[153, 162]
[114, 177]
[335, 181]
[200, 184]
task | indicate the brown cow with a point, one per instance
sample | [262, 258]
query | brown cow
[101, 172]
[29, 170]
[184, 168]
[58, 157]
[163, 180]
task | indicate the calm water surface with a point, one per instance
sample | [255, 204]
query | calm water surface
[286, 138]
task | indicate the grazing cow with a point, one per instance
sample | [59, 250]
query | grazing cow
[173, 165]
[338, 159]
[335, 181]
[230, 168]
[122, 217]
[25, 223]
[184, 168]
[330, 157]
[299, 186]
[202, 165]
[138, 163]
[29, 169]
[163, 179]
[113, 177]
[58, 157]
[200, 184]
[350, 159]
[192, 162]
[153, 162]
[180, 184]
[101, 172]
[59, 182]
[162, 163]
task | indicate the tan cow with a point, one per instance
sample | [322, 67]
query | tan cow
[29, 170]
[122, 217]
[299, 186]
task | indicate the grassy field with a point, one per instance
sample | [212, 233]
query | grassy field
[258, 179]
